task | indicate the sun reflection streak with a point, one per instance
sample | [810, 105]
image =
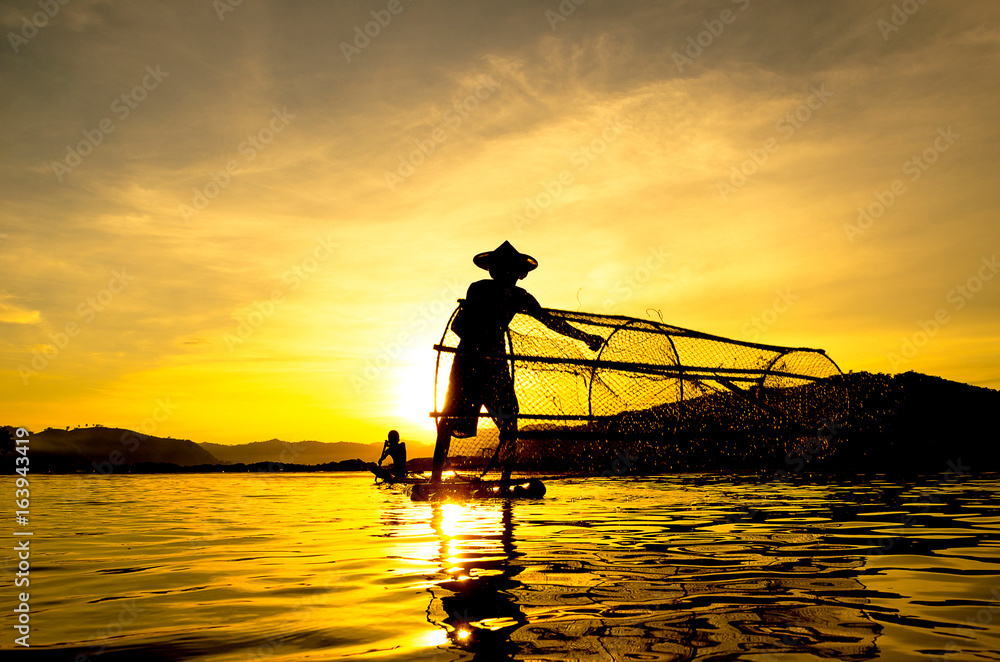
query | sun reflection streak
[431, 639]
[470, 592]
[451, 519]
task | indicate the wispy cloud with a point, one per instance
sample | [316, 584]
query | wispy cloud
[323, 174]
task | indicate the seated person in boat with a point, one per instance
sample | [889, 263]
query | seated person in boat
[395, 449]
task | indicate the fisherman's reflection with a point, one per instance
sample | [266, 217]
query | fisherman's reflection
[767, 595]
[473, 602]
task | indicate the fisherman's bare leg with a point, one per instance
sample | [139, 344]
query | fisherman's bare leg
[507, 453]
[441, 450]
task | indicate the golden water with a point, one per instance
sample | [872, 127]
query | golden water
[325, 566]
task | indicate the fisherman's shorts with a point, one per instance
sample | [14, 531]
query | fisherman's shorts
[476, 382]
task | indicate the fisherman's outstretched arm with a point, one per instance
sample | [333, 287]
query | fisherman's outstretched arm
[561, 326]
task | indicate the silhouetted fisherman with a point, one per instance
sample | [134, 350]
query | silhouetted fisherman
[480, 374]
[395, 449]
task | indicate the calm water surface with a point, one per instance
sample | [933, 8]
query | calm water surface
[326, 566]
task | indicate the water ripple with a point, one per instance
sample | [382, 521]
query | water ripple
[285, 567]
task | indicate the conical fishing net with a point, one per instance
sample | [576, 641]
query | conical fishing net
[652, 396]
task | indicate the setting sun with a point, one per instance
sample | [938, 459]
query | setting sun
[414, 389]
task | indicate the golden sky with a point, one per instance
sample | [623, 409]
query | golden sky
[231, 222]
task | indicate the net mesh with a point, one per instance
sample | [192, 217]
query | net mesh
[652, 395]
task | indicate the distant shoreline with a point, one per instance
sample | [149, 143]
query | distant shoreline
[170, 468]
[906, 423]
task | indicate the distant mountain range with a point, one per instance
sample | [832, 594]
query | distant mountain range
[905, 422]
[306, 452]
[106, 450]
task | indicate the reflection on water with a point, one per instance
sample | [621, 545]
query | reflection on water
[474, 600]
[638, 596]
[290, 567]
